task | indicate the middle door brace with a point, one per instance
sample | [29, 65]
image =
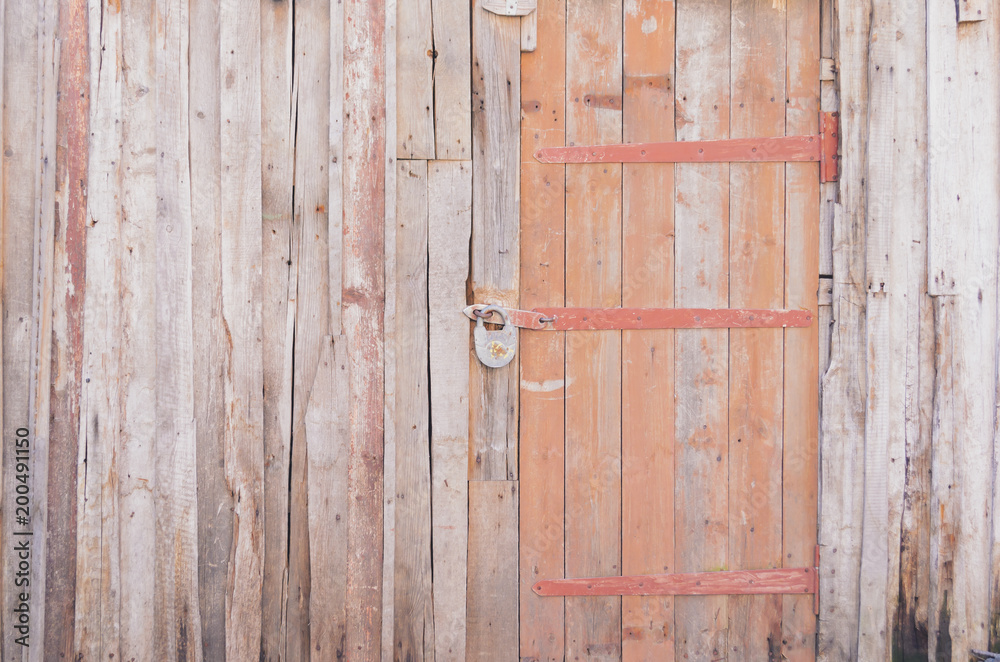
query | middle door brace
[596, 319]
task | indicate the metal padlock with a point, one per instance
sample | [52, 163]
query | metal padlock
[495, 348]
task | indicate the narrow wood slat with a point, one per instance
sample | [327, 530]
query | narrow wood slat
[278, 298]
[495, 254]
[242, 253]
[970, 11]
[137, 389]
[414, 80]
[363, 308]
[529, 32]
[800, 446]
[702, 358]
[542, 379]
[648, 396]
[21, 40]
[731, 582]
[178, 628]
[962, 176]
[98, 568]
[492, 590]
[756, 268]
[414, 603]
[752, 149]
[328, 440]
[593, 376]
[452, 79]
[449, 226]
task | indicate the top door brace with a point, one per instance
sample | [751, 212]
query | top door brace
[821, 148]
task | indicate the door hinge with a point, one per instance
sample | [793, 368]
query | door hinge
[820, 148]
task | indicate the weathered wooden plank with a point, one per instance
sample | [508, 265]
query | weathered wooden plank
[842, 421]
[278, 296]
[328, 437]
[800, 444]
[415, 80]
[452, 80]
[389, 343]
[593, 376]
[962, 180]
[215, 501]
[364, 304]
[177, 629]
[449, 227]
[756, 356]
[413, 608]
[529, 32]
[496, 112]
[492, 591]
[648, 397]
[702, 357]
[242, 253]
[69, 288]
[98, 570]
[542, 388]
[43, 306]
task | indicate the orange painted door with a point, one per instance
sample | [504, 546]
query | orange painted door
[668, 451]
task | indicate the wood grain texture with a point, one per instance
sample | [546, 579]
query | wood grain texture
[843, 386]
[278, 296]
[328, 442]
[492, 591]
[242, 255]
[389, 338]
[593, 376]
[542, 387]
[98, 570]
[215, 502]
[415, 80]
[449, 228]
[364, 304]
[648, 397]
[962, 265]
[702, 279]
[68, 285]
[496, 92]
[756, 356]
[177, 630]
[800, 444]
[414, 602]
[452, 80]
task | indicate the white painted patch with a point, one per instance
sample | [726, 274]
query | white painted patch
[547, 386]
[649, 25]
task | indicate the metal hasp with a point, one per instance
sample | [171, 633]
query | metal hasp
[596, 319]
[725, 582]
[821, 148]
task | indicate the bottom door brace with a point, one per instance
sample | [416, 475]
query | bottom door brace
[726, 582]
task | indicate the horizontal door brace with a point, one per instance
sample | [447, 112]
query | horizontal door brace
[726, 582]
[821, 148]
[597, 319]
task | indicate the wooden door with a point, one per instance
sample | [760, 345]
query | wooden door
[668, 451]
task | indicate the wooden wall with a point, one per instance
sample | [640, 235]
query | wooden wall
[910, 566]
[235, 241]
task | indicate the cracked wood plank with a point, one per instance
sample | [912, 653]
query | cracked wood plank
[363, 309]
[414, 603]
[415, 59]
[449, 227]
[240, 107]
